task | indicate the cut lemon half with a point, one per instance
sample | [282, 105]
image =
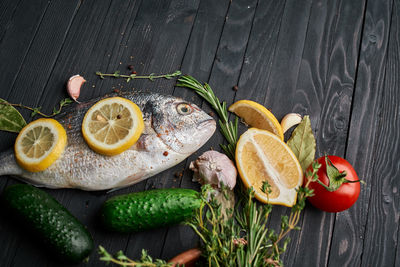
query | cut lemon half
[262, 156]
[39, 144]
[257, 116]
[112, 125]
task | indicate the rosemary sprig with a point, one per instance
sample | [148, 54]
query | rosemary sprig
[121, 259]
[133, 76]
[228, 129]
[36, 111]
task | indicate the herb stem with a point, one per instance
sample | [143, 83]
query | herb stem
[133, 76]
[35, 111]
[228, 129]
[29, 108]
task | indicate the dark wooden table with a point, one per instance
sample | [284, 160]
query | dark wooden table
[337, 61]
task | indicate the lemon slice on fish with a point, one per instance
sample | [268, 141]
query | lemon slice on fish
[112, 125]
[39, 144]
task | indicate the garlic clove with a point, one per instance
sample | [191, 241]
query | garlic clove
[74, 86]
[290, 120]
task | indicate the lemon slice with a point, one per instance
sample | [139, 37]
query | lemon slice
[112, 125]
[257, 116]
[262, 156]
[39, 144]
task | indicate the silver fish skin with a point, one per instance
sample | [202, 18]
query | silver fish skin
[174, 129]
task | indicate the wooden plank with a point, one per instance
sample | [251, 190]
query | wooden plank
[349, 229]
[223, 70]
[329, 109]
[34, 70]
[272, 61]
[88, 47]
[16, 38]
[175, 31]
[7, 11]
[382, 225]
[310, 87]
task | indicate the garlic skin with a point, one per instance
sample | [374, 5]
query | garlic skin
[74, 86]
[213, 167]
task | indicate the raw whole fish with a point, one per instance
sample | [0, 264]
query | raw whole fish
[174, 129]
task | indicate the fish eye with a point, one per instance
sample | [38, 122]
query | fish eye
[184, 109]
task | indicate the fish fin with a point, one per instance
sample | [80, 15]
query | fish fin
[114, 189]
[8, 165]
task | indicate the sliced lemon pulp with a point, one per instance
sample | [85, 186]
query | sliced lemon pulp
[262, 156]
[112, 125]
[39, 144]
[257, 116]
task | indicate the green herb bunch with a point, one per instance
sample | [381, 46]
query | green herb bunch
[244, 239]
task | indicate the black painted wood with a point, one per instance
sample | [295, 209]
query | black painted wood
[349, 240]
[382, 222]
[329, 100]
[335, 60]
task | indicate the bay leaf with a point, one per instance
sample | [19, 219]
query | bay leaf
[10, 119]
[302, 143]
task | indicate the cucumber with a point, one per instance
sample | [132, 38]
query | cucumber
[53, 223]
[149, 209]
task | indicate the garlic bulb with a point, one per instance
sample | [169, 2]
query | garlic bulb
[214, 168]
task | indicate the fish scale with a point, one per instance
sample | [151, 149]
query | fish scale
[169, 137]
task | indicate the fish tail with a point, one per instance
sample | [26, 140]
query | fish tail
[8, 165]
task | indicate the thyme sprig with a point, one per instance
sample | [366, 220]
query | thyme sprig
[228, 129]
[121, 259]
[133, 76]
[37, 111]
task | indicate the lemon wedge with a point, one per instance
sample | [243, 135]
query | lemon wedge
[39, 144]
[257, 116]
[262, 156]
[112, 125]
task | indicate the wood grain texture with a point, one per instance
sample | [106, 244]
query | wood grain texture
[337, 61]
[197, 61]
[16, 35]
[7, 11]
[32, 75]
[175, 31]
[382, 227]
[272, 62]
[225, 71]
[328, 102]
[348, 236]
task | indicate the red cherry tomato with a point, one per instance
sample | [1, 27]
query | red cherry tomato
[341, 199]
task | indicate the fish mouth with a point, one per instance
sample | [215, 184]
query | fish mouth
[207, 123]
[205, 130]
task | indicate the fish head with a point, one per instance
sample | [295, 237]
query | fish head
[181, 125]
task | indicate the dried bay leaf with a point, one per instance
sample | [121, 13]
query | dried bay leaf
[10, 119]
[302, 143]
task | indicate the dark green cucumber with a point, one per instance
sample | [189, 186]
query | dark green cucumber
[50, 220]
[150, 209]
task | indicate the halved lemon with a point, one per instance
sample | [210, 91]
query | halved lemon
[39, 144]
[257, 116]
[112, 125]
[262, 156]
